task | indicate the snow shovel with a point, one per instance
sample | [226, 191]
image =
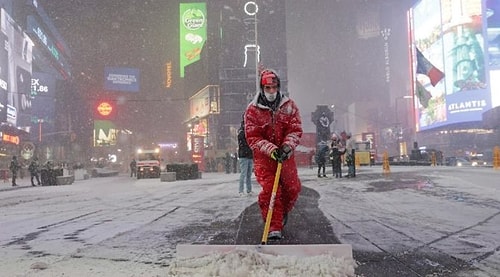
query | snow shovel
[302, 250]
[270, 209]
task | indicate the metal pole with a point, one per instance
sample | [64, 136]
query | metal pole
[398, 150]
[398, 128]
[40, 121]
[256, 52]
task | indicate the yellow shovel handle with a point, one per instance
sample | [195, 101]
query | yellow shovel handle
[271, 203]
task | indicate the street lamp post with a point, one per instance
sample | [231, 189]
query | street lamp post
[399, 129]
[40, 121]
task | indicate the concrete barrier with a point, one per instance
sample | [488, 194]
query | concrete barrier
[184, 171]
[104, 172]
[80, 174]
[167, 176]
[65, 180]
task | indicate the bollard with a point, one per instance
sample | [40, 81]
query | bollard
[385, 164]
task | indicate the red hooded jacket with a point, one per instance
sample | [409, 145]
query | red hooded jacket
[267, 130]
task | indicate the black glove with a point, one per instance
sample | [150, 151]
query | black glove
[277, 155]
[286, 152]
[282, 154]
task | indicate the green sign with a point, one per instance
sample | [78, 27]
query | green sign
[105, 133]
[193, 32]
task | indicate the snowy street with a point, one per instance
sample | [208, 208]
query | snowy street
[425, 220]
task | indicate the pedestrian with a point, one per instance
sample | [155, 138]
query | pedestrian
[49, 177]
[273, 129]
[227, 162]
[133, 168]
[33, 168]
[14, 168]
[350, 156]
[336, 153]
[234, 160]
[245, 156]
[321, 153]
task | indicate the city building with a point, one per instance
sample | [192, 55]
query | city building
[35, 78]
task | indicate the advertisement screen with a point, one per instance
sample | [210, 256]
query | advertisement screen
[122, 79]
[43, 87]
[193, 33]
[451, 67]
[15, 62]
[493, 33]
[105, 133]
[4, 76]
[49, 43]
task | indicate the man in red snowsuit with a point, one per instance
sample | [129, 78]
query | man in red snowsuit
[273, 129]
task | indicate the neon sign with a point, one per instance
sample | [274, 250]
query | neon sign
[251, 9]
[104, 108]
[11, 139]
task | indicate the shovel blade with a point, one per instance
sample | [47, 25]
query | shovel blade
[299, 250]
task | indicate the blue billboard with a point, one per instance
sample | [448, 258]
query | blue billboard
[452, 41]
[122, 79]
[43, 87]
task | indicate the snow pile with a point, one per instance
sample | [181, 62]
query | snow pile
[243, 263]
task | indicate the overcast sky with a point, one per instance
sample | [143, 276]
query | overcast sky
[327, 64]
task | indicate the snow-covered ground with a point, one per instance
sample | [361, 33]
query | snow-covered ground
[118, 226]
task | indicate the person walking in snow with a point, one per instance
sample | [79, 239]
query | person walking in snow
[321, 153]
[351, 156]
[33, 168]
[245, 157]
[14, 168]
[336, 153]
[273, 128]
[133, 168]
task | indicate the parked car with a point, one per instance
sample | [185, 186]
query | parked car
[476, 161]
[462, 162]
[450, 161]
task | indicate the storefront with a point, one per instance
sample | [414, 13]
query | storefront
[13, 142]
[200, 136]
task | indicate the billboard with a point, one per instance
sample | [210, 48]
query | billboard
[493, 35]
[43, 100]
[15, 73]
[51, 46]
[193, 33]
[122, 79]
[105, 133]
[451, 37]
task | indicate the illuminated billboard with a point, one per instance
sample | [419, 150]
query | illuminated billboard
[15, 73]
[493, 35]
[193, 33]
[45, 38]
[43, 103]
[450, 37]
[121, 79]
[105, 133]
